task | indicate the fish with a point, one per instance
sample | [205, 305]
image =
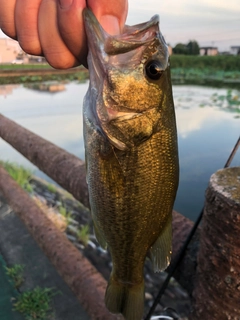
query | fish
[131, 155]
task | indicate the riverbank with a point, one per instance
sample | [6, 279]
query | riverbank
[216, 71]
[75, 220]
[10, 74]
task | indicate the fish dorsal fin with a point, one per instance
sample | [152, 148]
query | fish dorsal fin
[160, 252]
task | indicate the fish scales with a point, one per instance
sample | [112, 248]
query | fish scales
[131, 155]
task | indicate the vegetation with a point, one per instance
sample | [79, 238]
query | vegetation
[20, 174]
[206, 70]
[24, 66]
[192, 48]
[16, 274]
[83, 234]
[230, 101]
[35, 304]
[78, 76]
[26, 75]
[51, 188]
[180, 48]
[63, 211]
[216, 63]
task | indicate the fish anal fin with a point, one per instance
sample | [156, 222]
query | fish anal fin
[160, 252]
[126, 299]
[99, 236]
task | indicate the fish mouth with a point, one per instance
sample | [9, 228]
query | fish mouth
[131, 38]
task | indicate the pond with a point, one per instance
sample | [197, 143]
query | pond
[207, 119]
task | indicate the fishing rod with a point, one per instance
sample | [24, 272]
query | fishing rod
[186, 243]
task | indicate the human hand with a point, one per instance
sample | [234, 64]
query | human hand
[55, 29]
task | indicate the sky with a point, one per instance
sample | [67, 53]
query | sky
[210, 22]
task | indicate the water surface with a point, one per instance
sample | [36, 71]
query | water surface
[208, 128]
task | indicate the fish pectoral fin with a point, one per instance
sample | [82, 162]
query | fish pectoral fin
[160, 252]
[99, 236]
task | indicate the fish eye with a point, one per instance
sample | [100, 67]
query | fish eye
[153, 70]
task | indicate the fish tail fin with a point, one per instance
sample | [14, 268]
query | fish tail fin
[125, 299]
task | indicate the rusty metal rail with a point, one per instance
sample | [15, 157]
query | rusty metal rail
[63, 167]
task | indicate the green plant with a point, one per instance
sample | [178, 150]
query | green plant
[83, 234]
[63, 211]
[51, 187]
[230, 100]
[20, 174]
[214, 63]
[35, 304]
[16, 274]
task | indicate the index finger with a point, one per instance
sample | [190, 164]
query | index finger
[111, 14]
[7, 19]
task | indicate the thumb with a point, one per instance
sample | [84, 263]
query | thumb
[111, 14]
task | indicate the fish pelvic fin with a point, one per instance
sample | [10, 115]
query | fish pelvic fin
[126, 299]
[161, 251]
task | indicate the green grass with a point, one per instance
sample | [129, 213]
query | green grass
[217, 63]
[63, 211]
[83, 234]
[206, 70]
[16, 274]
[78, 76]
[24, 66]
[35, 304]
[20, 174]
[51, 188]
[207, 77]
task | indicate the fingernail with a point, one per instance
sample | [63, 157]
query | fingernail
[65, 4]
[110, 24]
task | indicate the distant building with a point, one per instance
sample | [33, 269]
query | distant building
[224, 53]
[169, 50]
[235, 50]
[9, 49]
[208, 51]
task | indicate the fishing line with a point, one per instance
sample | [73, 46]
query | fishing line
[185, 245]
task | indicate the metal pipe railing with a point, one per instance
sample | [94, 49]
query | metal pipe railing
[63, 167]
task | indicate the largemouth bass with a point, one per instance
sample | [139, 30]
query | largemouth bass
[131, 155]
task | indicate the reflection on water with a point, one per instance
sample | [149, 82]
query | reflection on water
[206, 133]
[7, 89]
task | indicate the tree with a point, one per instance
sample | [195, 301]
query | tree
[180, 48]
[193, 47]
